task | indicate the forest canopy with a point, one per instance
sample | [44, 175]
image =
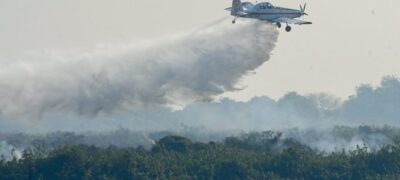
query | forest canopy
[251, 156]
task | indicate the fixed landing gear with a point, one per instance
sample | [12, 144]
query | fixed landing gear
[288, 28]
[234, 20]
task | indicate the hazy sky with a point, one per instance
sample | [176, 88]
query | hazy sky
[350, 42]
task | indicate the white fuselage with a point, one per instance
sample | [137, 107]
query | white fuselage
[266, 11]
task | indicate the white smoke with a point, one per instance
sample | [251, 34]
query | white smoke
[319, 121]
[175, 72]
[8, 151]
[340, 138]
[193, 67]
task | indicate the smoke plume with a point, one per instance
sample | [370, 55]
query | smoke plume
[109, 86]
[174, 72]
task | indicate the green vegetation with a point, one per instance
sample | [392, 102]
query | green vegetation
[174, 157]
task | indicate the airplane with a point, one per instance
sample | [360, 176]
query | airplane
[265, 11]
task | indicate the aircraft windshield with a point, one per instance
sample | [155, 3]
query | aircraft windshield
[247, 5]
[265, 5]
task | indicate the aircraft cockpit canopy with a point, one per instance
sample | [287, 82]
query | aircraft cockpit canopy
[247, 5]
[265, 5]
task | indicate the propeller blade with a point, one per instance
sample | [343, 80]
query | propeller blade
[304, 7]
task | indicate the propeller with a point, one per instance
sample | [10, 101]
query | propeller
[303, 8]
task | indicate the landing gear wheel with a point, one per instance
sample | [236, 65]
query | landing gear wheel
[234, 21]
[288, 28]
[279, 25]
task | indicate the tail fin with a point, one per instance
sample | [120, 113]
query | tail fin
[236, 7]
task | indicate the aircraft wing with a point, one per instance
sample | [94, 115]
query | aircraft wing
[290, 21]
[240, 13]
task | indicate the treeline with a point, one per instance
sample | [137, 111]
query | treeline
[324, 139]
[255, 156]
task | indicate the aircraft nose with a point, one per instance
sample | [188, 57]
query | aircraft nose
[303, 13]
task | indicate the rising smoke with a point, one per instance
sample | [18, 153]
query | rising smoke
[319, 121]
[130, 86]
